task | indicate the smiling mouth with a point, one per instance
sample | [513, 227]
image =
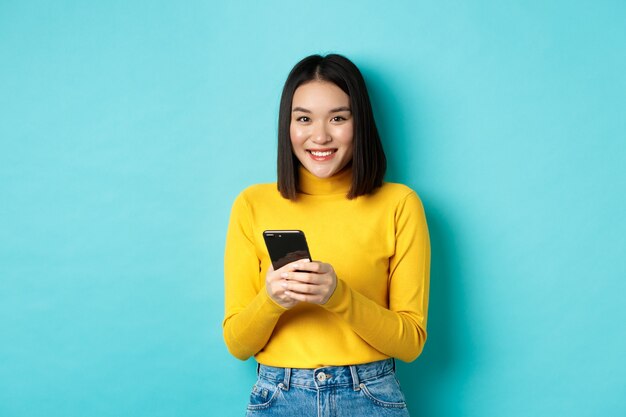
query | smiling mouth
[321, 153]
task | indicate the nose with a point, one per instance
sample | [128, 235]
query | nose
[320, 134]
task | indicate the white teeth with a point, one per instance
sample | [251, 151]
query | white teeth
[321, 154]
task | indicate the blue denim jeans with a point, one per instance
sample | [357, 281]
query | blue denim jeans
[371, 389]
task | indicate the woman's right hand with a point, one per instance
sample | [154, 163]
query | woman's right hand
[274, 283]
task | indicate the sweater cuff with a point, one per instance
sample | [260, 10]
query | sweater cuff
[338, 302]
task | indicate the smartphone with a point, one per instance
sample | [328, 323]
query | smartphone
[285, 246]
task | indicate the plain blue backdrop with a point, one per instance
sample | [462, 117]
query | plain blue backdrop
[128, 127]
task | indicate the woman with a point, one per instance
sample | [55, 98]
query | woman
[325, 332]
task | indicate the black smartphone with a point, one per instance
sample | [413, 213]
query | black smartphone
[285, 246]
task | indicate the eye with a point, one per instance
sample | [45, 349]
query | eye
[303, 119]
[338, 119]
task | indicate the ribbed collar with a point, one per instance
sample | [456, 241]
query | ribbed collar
[337, 184]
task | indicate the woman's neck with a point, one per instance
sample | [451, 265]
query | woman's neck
[339, 183]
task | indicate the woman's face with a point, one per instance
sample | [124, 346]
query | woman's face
[321, 128]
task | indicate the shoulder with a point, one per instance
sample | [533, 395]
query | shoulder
[258, 191]
[257, 194]
[405, 203]
[400, 199]
[396, 192]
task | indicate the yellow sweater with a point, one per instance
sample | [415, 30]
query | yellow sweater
[377, 244]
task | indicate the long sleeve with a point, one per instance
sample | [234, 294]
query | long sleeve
[400, 330]
[250, 314]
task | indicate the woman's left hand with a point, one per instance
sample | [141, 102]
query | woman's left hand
[313, 282]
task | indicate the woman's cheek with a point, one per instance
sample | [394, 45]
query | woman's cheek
[298, 135]
[343, 133]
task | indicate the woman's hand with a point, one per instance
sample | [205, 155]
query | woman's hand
[306, 281]
[274, 283]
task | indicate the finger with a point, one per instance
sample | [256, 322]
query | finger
[294, 266]
[313, 266]
[273, 276]
[304, 277]
[290, 266]
[277, 292]
[307, 298]
[301, 288]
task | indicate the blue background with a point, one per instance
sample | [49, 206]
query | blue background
[127, 129]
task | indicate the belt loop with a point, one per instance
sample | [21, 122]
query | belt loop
[287, 378]
[355, 378]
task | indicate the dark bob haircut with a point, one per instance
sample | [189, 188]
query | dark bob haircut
[368, 158]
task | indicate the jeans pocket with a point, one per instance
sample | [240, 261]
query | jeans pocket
[384, 392]
[263, 395]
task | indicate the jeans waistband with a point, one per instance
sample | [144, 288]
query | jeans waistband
[327, 375]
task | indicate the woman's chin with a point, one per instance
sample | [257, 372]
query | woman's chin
[322, 171]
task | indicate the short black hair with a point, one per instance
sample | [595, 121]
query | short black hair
[368, 157]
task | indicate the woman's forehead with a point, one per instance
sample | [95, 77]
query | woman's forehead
[319, 96]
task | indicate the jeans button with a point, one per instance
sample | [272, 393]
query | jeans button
[321, 377]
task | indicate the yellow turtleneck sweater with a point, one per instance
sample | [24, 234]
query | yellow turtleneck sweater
[379, 247]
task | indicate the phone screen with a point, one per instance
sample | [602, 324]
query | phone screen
[285, 246]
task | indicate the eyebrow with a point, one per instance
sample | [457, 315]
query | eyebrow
[335, 110]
